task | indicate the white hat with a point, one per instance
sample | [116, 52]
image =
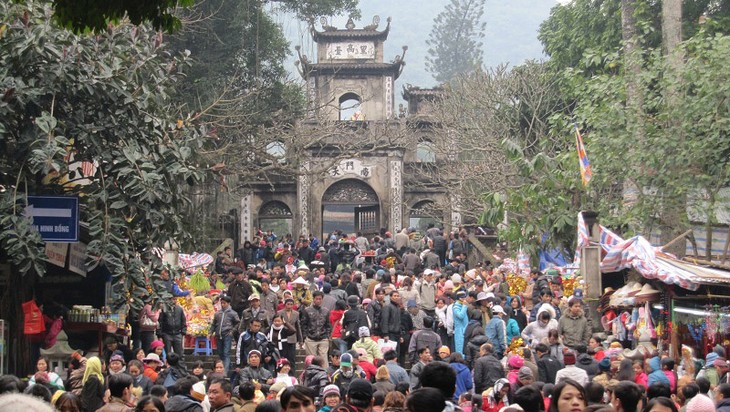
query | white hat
[254, 297]
[199, 391]
[482, 296]
[497, 309]
[471, 274]
[428, 272]
[456, 278]
[300, 281]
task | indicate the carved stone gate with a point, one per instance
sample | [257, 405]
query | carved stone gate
[350, 205]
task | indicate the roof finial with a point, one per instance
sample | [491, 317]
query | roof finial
[350, 24]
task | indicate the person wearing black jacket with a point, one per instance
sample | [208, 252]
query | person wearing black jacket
[352, 320]
[407, 328]
[173, 326]
[547, 365]
[348, 286]
[487, 369]
[390, 320]
[239, 290]
[375, 312]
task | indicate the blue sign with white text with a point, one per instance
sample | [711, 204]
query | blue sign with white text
[56, 218]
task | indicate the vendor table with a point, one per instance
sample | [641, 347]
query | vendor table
[99, 328]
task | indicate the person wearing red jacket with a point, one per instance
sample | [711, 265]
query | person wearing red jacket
[336, 322]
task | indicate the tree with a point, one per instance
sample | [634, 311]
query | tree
[80, 16]
[455, 45]
[105, 100]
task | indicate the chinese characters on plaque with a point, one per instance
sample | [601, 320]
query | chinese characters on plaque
[351, 50]
[351, 167]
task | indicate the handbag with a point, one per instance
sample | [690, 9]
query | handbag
[33, 319]
[146, 323]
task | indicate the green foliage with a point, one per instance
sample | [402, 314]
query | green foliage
[105, 99]
[83, 15]
[455, 46]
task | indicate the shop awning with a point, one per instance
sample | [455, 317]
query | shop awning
[649, 261]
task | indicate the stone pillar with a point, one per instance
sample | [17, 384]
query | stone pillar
[455, 201]
[246, 223]
[303, 188]
[396, 193]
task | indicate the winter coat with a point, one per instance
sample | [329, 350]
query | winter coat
[548, 367]
[496, 334]
[487, 370]
[588, 364]
[390, 322]
[575, 330]
[352, 320]
[415, 375]
[427, 293]
[248, 342]
[173, 323]
[335, 321]
[424, 338]
[473, 329]
[656, 374]
[534, 333]
[182, 403]
[315, 377]
[115, 405]
[260, 374]
[723, 405]
[385, 386]
[239, 293]
[513, 330]
[371, 347]
[375, 310]
[315, 323]
[472, 349]
[248, 316]
[225, 323]
[460, 321]
[463, 378]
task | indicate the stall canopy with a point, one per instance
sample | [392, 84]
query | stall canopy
[648, 260]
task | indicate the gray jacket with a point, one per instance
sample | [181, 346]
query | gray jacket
[224, 323]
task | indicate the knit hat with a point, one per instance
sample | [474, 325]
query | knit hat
[346, 360]
[569, 358]
[363, 331]
[456, 278]
[330, 390]
[254, 352]
[366, 301]
[605, 364]
[360, 389]
[116, 357]
[445, 349]
[156, 344]
[411, 303]
[525, 373]
[516, 362]
[460, 294]
[448, 285]
[199, 391]
[711, 358]
[700, 403]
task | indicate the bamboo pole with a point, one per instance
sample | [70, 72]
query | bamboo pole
[676, 239]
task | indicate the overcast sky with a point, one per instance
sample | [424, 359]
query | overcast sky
[510, 37]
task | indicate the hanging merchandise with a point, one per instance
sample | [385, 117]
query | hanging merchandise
[696, 331]
[517, 284]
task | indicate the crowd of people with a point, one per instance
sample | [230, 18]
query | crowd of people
[388, 324]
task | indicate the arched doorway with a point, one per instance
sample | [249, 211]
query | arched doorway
[275, 216]
[423, 213]
[351, 206]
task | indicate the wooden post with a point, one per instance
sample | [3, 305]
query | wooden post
[590, 268]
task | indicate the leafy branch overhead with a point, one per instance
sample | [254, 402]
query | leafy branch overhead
[104, 100]
[92, 15]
